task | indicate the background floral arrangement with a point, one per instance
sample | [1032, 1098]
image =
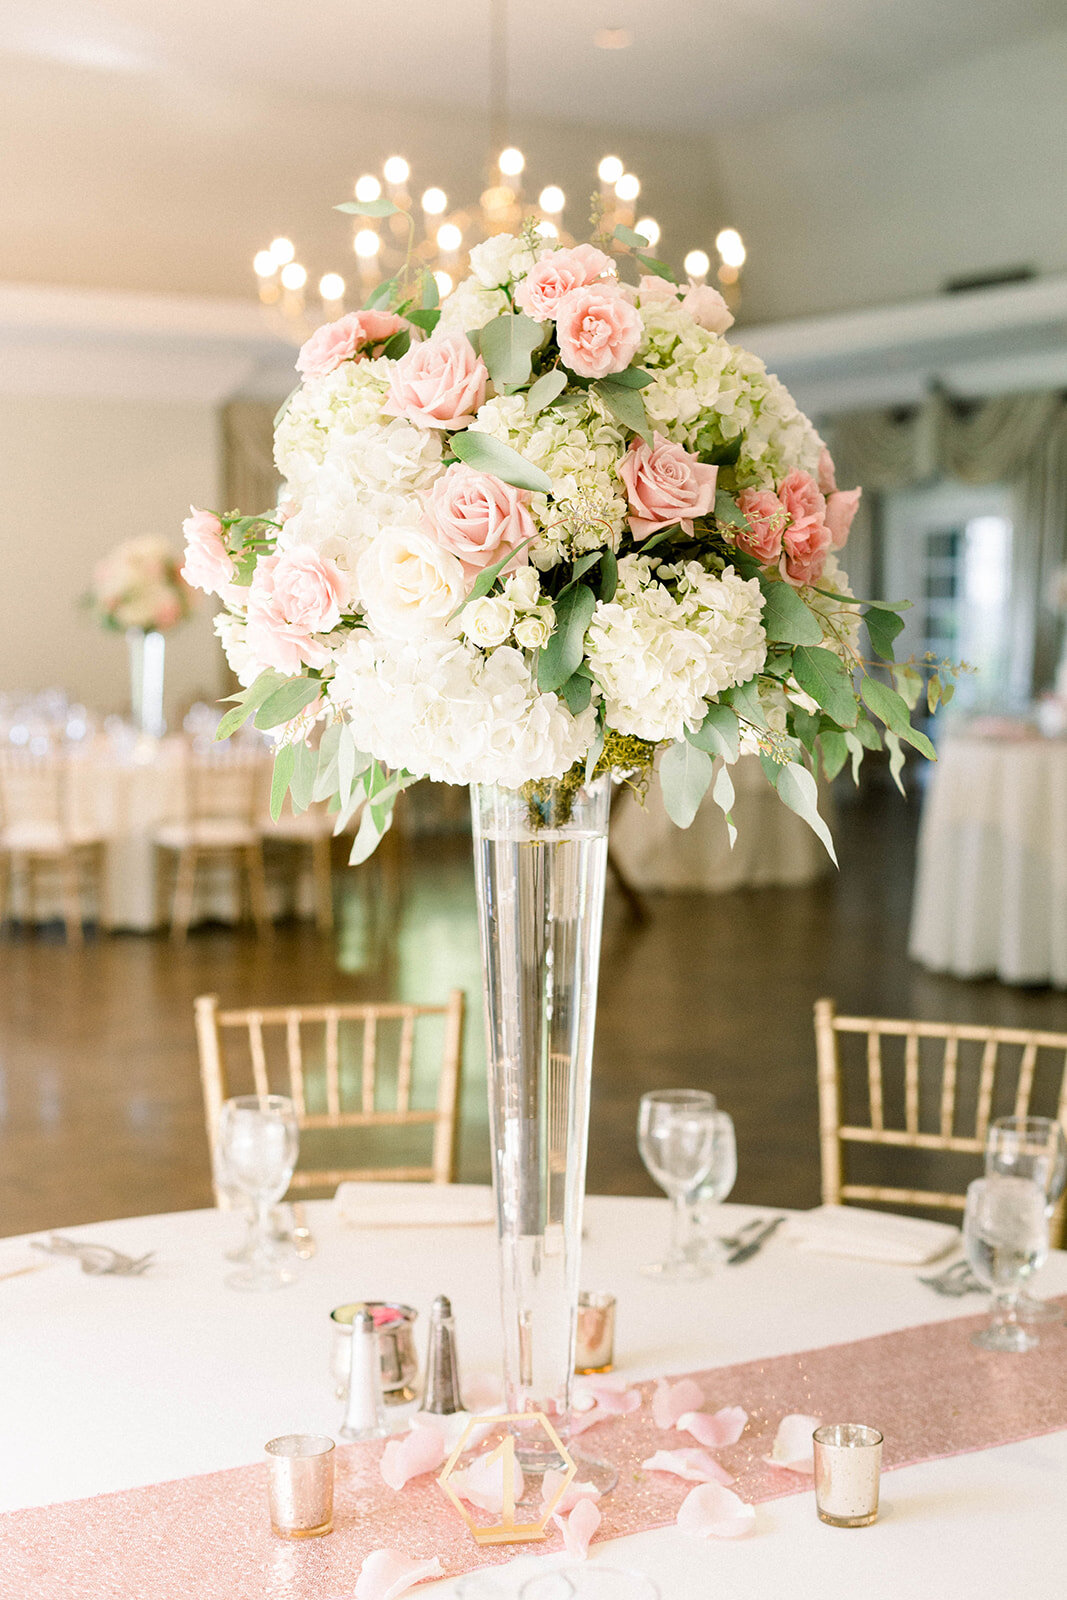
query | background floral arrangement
[138, 585]
[552, 528]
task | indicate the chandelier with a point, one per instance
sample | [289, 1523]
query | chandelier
[439, 235]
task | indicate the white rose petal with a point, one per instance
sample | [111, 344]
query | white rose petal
[408, 585]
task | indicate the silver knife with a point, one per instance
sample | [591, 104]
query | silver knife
[747, 1251]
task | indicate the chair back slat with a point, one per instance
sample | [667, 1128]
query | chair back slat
[33, 789]
[948, 1140]
[256, 1025]
[949, 1067]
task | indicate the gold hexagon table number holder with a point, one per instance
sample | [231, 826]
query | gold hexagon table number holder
[507, 1530]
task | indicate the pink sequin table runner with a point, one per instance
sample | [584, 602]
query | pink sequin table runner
[207, 1538]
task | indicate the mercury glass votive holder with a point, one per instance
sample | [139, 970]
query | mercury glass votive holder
[594, 1347]
[300, 1485]
[848, 1466]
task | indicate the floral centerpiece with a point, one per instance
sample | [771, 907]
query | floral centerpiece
[138, 585]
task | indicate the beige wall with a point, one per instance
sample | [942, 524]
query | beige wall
[76, 477]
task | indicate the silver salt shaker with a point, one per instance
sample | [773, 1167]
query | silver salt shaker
[365, 1412]
[441, 1394]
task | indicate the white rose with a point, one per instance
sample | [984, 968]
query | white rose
[408, 585]
[500, 259]
[488, 621]
[534, 631]
[523, 589]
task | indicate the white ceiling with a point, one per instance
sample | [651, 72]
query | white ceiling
[692, 64]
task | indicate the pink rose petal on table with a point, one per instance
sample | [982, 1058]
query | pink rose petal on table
[579, 1527]
[698, 1466]
[672, 1400]
[793, 1448]
[574, 1492]
[412, 1454]
[611, 1395]
[482, 1483]
[724, 1428]
[607, 1405]
[385, 1574]
[712, 1512]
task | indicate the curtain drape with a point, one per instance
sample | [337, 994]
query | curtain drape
[1015, 439]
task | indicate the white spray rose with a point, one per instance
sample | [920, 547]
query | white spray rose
[488, 621]
[534, 631]
[523, 589]
[408, 585]
[500, 259]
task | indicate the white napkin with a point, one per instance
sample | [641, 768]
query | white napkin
[414, 1205]
[872, 1235]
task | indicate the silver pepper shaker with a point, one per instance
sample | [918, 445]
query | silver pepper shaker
[441, 1394]
[365, 1412]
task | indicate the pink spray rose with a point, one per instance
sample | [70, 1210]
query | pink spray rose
[824, 472]
[340, 341]
[438, 384]
[555, 275]
[598, 330]
[707, 307]
[478, 517]
[807, 538]
[653, 290]
[208, 563]
[665, 485]
[766, 518]
[292, 597]
[841, 507]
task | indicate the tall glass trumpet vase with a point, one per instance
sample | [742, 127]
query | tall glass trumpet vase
[147, 652]
[540, 860]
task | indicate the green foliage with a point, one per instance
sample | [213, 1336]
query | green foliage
[284, 765]
[728, 511]
[382, 207]
[685, 774]
[719, 734]
[798, 790]
[283, 703]
[625, 405]
[821, 674]
[632, 378]
[487, 454]
[882, 628]
[507, 346]
[398, 345]
[722, 792]
[548, 387]
[488, 576]
[562, 655]
[834, 749]
[247, 701]
[891, 708]
[786, 619]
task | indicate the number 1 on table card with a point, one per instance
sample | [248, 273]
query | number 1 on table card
[507, 1530]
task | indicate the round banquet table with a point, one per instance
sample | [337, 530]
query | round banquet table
[108, 1383]
[991, 881]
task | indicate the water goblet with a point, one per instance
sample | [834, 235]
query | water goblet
[676, 1141]
[1035, 1148]
[1005, 1236]
[257, 1142]
[719, 1182]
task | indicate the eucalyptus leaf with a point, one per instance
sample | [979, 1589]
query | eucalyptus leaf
[727, 510]
[283, 704]
[722, 792]
[546, 389]
[786, 619]
[488, 575]
[381, 294]
[398, 345]
[855, 750]
[326, 776]
[369, 836]
[806, 726]
[562, 655]
[891, 708]
[609, 575]
[431, 295]
[658, 269]
[685, 775]
[248, 701]
[719, 733]
[822, 675]
[626, 406]
[896, 759]
[302, 781]
[744, 697]
[596, 749]
[582, 566]
[834, 752]
[659, 538]
[577, 692]
[507, 347]
[632, 378]
[636, 241]
[798, 790]
[286, 403]
[382, 207]
[487, 454]
[882, 628]
[284, 763]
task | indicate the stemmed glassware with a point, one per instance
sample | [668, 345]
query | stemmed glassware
[257, 1142]
[1034, 1148]
[676, 1140]
[717, 1185]
[1005, 1235]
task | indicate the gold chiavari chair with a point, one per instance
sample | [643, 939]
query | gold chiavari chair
[338, 1080]
[947, 1080]
[219, 821]
[38, 836]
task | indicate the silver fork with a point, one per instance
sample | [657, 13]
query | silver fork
[733, 1241]
[954, 1281]
[96, 1259]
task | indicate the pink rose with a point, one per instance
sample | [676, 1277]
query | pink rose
[807, 538]
[555, 275]
[208, 563]
[598, 330]
[824, 472]
[664, 485]
[293, 596]
[841, 507]
[707, 307]
[478, 517]
[438, 384]
[340, 341]
[653, 290]
[766, 518]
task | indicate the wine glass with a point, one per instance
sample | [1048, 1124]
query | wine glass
[257, 1147]
[676, 1140]
[719, 1182]
[1035, 1148]
[1005, 1235]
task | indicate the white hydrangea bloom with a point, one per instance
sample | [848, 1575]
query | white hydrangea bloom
[344, 401]
[469, 307]
[442, 710]
[658, 655]
[230, 630]
[500, 260]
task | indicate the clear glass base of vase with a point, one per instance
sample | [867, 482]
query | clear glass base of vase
[595, 1470]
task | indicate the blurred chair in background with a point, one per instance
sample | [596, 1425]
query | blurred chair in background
[219, 822]
[38, 837]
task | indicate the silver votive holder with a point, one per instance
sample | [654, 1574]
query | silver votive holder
[848, 1466]
[300, 1485]
[394, 1325]
[594, 1347]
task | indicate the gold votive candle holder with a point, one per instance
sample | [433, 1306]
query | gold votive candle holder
[848, 1466]
[300, 1485]
[594, 1348]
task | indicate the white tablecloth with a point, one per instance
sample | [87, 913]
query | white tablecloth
[110, 1382]
[773, 847]
[991, 883]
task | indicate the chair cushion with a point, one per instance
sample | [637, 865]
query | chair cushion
[210, 833]
[42, 839]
